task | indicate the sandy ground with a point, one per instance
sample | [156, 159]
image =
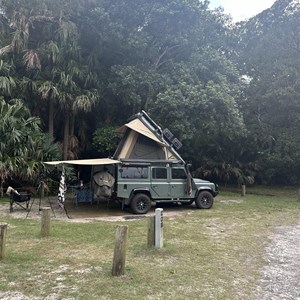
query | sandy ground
[34, 212]
[281, 276]
[89, 214]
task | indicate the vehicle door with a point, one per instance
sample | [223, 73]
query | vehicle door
[178, 183]
[160, 184]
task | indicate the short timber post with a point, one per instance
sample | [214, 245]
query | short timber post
[151, 232]
[3, 230]
[119, 259]
[243, 190]
[42, 191]
[159, 223]
[45, 224]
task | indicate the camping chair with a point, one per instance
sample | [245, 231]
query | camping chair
[83, 195]
[21, 199]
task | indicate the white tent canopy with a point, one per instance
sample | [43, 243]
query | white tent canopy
[138, 126]
[86, 162]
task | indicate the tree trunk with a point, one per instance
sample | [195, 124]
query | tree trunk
[66, 136]
[51, 118]
[72, 125]
[1, 189]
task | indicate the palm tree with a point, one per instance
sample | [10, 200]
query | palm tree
[49, 92]
[23, 146]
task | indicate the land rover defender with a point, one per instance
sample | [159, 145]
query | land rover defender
[142, 183]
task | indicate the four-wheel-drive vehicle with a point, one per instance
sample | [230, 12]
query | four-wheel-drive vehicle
[146, 169]
[141, 183]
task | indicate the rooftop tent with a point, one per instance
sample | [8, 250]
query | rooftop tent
[144, 139]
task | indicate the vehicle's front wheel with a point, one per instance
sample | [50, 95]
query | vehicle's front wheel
[204, 200]
[140, 204]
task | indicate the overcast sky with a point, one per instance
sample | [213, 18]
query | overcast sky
[242, 9]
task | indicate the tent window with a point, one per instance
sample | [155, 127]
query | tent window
[147, 149]
[134, 172]
[159, 173]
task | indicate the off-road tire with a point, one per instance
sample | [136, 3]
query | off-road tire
[140, 204]
[204, 200]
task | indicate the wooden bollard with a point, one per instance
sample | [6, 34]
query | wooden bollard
[3, 230]
[45, 224]
[118, 267]
[159, 223]
[243, 190]
[151, 232]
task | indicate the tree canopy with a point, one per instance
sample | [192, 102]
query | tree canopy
[229, 92]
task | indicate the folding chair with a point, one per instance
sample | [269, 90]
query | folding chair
[83, 196]
[21, 199]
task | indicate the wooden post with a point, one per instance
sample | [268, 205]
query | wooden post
[3, 230]
[45, 225]
[159, 223]
[298, 195]
[243, 191]
[42, 191]
[118, 267]
[151, 232]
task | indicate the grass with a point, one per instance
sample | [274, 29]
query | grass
[207, 254]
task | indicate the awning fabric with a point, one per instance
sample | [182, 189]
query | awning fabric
[87, 162]
[139, 127]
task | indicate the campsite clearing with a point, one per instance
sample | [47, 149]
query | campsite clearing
[208, 254]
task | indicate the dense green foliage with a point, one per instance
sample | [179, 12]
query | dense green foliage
[228, 91]
[23, 146]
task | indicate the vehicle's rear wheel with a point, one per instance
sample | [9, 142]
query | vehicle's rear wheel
[204, 200]
[140, 204]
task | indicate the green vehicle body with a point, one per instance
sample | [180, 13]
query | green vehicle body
[140, 184]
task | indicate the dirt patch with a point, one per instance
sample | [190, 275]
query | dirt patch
[83, 213]
[281, 276]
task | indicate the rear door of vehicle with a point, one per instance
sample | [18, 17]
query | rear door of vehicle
[160, 184]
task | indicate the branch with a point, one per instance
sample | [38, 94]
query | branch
[160, 61]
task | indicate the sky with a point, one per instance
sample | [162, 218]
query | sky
[242, 9]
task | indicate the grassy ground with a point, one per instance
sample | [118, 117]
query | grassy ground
[207, 254]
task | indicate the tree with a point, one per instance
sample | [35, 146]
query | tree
[269, 57]
[45, 49]
[23, 146]
[83, 63]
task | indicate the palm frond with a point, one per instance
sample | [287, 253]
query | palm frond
[7, 49]
[48, 90]
[31, 60]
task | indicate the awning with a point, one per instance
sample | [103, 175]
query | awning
[86, 162]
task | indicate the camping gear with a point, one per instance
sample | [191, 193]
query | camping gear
[83, 195]
[21, 199]
[62, 188]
